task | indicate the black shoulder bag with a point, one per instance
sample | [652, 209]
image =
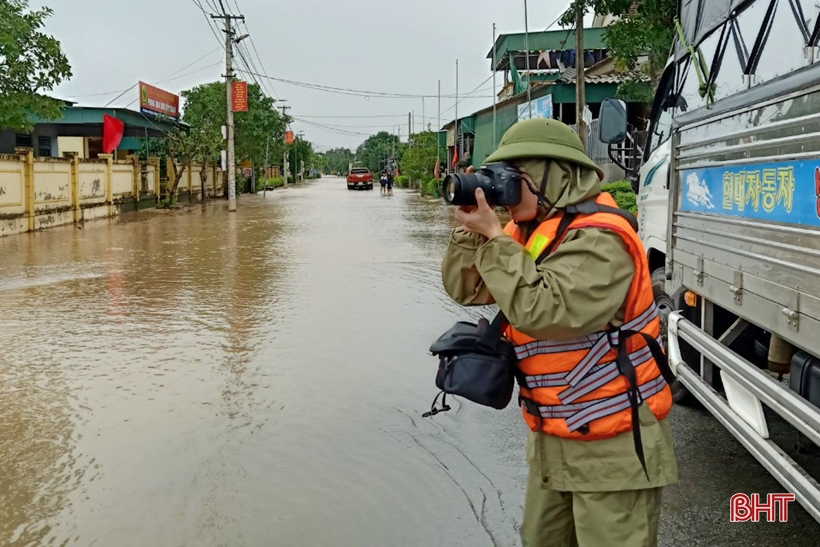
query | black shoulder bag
[475, 360]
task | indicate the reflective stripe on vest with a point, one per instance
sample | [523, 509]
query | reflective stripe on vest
[580, 414]
[594, 340]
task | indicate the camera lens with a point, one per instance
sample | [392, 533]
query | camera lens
[459, 188]
[449, 192]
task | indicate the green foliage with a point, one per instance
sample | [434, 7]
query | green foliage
[338, 160]
[301, 151]
[376, 150]
[640, 43]
[275, 182]
[431, 187]
[30, 62]
[621, 191]
[152, 147]
[419, 158]
[258, 132]
[402, 181]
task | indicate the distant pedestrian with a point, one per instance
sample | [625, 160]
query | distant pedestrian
[390, 184]
[383, 182]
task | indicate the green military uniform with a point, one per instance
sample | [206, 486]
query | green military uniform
[587, 493]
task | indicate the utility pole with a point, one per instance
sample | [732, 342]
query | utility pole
[457, 142]
[265, 182]
[409, 124]
[229, 129]
[285, 109]
[527, 47]
[580, 80]
[495, 94]
[300, 169]
[423, 116]
[438, 128]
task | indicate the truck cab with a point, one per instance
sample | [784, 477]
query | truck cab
[652, 185]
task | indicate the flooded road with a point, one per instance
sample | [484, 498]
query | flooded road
[199, 378]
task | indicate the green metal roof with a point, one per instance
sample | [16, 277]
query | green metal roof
[544, 41]
[85, 115]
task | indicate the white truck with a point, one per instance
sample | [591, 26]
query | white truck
[729, 213]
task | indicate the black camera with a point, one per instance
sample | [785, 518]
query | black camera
[500, 181]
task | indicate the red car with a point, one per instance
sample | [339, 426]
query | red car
[360, 178]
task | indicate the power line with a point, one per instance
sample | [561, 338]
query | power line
[402, 116]
[333, 129]
[170, 80]
[361, 92]
[198, 3]
[122, 91]
[252, 65]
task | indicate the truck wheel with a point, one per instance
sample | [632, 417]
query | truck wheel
[680, 395]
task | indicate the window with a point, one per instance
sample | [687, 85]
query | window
[44, 147]
[660, 126]
[22, 140]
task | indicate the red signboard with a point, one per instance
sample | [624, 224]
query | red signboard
[240, 96]
[288, 137]
[157, 101]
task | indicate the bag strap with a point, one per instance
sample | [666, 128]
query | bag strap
[590, 207]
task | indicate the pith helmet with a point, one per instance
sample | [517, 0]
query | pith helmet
[542, 138]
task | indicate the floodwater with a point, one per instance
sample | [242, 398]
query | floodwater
[200, 378]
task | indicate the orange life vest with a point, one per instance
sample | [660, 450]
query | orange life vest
[580, 388]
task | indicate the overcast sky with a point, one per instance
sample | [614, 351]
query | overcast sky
[388, 46]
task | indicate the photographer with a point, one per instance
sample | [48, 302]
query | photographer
[571, 276]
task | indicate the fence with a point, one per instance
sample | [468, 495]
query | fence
[37, 193]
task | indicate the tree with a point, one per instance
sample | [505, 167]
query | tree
[419, 158]
[640, 41]
[301, 153]
[258, 132]
[181, 149]
[205, 113]
[376, 150]
[339, 159]
[320, 161]
[31, 62]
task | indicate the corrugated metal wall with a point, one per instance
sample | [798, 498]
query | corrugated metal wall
[507, 115]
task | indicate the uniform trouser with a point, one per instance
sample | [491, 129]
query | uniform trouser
[589, 519]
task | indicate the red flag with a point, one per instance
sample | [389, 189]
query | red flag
[436, 171]
[455, 158]
[113, 130]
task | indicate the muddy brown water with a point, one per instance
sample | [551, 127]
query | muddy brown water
[200, 378]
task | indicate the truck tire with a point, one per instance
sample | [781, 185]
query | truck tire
[665, 305]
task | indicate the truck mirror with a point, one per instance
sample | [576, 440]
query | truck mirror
[612, 129]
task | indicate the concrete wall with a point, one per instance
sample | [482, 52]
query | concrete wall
[12, 188]
[92, 176]
[71, 144]
[38, 193]
[122, 183]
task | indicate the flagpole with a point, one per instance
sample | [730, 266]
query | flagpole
[495, 94]
[527, 47]
[458, 141]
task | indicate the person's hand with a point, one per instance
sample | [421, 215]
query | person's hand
[467, 208]
[481, 218]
